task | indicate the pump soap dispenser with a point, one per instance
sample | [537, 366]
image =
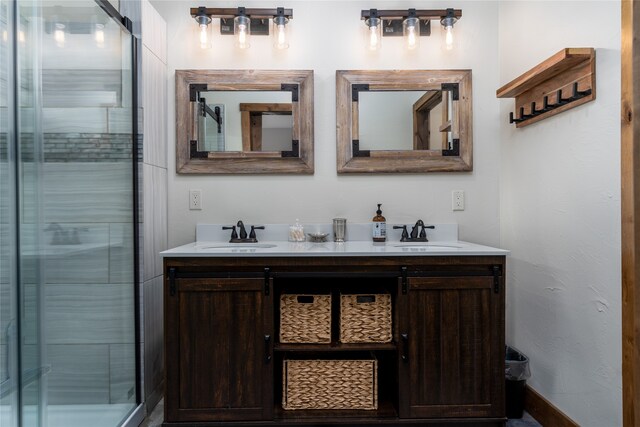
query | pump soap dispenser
[379, 226]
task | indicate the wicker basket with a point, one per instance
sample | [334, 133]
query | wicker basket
[365, 318]
[330, 384]
[305, 318]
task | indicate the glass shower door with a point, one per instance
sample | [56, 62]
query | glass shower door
[76, 204]
[8, 243]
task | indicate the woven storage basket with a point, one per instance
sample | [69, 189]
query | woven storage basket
[365, 318]
[330, 384]
[305, 318]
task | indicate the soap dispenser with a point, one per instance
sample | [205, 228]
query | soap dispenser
[379, 226]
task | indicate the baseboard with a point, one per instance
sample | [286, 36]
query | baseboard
[544, 411]
[154, 397]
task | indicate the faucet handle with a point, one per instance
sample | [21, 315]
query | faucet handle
[234, 234]
[252, 234]
[423, 233]
[405, 233]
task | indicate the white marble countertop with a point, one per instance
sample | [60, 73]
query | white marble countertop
[443, 241]
[327, 249]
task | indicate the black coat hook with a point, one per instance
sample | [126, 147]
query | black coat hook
[546, 106]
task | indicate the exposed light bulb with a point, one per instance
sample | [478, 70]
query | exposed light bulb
[22, 36]
[412, 38]
[281, 37]
[447, 22]
[242, 36]
[411, 31]
[373, 33]
[242, 29]
[448, 38]
[374, 39]
[5, 36]
[98, 35]
[204, 37]
[203, 20]
[59, 35]
[280, 30]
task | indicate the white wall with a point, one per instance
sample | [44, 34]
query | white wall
[560, 214]
[325, 41]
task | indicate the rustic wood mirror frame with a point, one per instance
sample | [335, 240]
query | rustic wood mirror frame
[456, 158]
[191, 161]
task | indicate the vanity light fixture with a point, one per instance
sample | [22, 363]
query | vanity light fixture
[448, 22]
[98, 34]
[58, 28]
[280, 30]
[98, 26]
[59, 33]
[411, 30]
[242, 29]
[374, 30]
[203, 21]
[243, 23]
[410, 23]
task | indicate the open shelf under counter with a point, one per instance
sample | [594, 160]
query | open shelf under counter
[389, 346]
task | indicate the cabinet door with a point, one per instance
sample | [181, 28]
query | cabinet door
[451, 360]
[218, 347]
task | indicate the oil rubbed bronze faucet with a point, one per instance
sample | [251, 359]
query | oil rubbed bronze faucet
[243, 238]
[418, 232]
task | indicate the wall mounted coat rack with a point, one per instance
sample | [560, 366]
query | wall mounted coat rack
[564, 81]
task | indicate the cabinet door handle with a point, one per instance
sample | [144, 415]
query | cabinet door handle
[405, 347]
[172, 281]
[267, 348]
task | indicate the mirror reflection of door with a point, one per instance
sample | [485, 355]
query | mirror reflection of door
[245, 121]
[211, 128]
[404, 120]
[266, 126]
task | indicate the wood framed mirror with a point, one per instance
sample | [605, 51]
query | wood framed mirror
[244, 122]
[404, 121]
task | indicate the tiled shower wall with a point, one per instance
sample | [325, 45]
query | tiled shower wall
[154, 171]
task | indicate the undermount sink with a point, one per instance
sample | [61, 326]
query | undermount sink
[427, 245]
[232, 246]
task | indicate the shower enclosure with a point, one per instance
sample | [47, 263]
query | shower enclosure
[68, 215]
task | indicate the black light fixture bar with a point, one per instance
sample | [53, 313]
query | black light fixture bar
[422, 14]
[232, 12]
[392, 20]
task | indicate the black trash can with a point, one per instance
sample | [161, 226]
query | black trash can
[516, 373]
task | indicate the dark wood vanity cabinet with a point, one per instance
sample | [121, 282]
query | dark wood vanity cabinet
[218, 355]
[445, 365]
[452, 338]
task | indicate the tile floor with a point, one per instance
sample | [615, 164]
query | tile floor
[155, 419]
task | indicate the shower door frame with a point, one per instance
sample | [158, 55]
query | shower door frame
[138, 414]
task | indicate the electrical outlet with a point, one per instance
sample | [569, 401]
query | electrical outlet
[457, 200]
[195, 200]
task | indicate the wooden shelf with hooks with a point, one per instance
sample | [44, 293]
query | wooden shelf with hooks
[565, 80]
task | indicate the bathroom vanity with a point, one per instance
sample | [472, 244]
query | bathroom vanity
[224, 360]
